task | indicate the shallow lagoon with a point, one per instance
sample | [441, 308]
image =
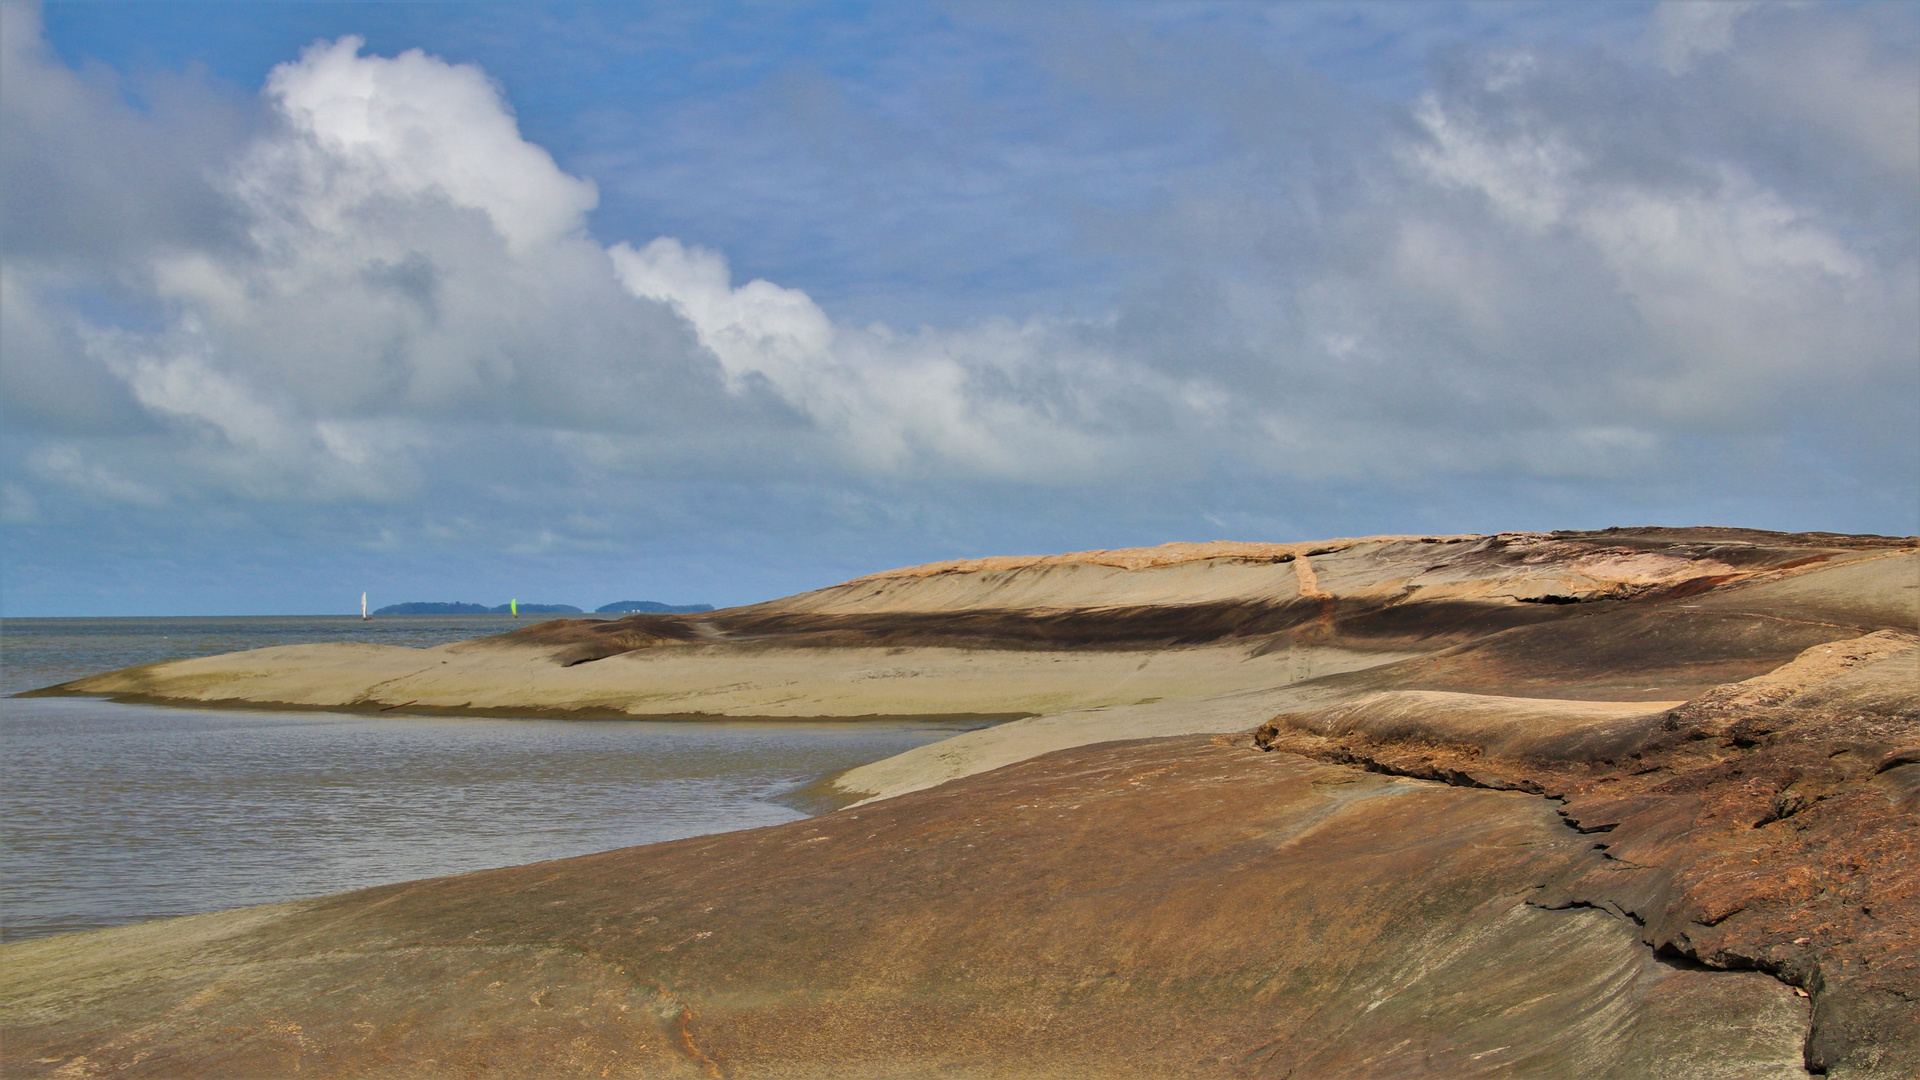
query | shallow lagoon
[113, 813]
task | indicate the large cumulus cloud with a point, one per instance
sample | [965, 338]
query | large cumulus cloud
[396, 265]
[386, 262]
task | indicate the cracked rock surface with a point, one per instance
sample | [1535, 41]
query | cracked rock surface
[1769, 824]
[1174, 907]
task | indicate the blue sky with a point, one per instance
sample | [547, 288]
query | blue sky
[712, 303]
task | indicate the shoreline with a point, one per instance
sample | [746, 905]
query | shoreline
[203, 809]
[1476, 805]
[515, 712]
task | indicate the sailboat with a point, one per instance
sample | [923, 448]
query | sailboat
[363, 607]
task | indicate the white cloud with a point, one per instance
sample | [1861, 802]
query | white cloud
[370, 127]
[1726, 278]
[74, 467]
[409, 257]
[1687, 29]
[1524, 277]
[893, 402]
[756, 329]
[406, 260]
[1526, 176]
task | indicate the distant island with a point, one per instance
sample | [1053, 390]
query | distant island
[652, 608]
[427, 608]
[418, 608]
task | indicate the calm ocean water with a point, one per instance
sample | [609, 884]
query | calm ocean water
[115, 813]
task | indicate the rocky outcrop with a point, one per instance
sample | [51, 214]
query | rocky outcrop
[1184, 907]
[1771, 824]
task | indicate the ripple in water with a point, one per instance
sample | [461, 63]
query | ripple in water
[117, 813]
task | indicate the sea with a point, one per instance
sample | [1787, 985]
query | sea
[114, 813]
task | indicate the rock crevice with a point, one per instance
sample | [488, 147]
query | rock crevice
[1750, 819]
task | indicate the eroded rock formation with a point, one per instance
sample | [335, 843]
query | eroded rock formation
[1185, 907]
[1770, 824]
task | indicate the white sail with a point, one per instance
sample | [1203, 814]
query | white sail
[363, 605]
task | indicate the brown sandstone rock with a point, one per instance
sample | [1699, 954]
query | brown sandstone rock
[1767, 824]
[1185, 907]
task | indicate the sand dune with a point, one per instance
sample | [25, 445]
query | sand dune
[1096, 630]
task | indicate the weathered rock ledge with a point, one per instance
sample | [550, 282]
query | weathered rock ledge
[1771, 824]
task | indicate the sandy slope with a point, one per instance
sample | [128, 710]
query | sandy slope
[1643, 659]
[721, 680]
[1093, 630]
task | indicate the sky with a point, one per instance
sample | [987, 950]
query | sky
[713, 303]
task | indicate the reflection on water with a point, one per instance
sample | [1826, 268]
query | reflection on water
[114, 813]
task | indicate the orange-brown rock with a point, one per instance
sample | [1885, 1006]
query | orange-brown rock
[1184, 907]
[1770, 824]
